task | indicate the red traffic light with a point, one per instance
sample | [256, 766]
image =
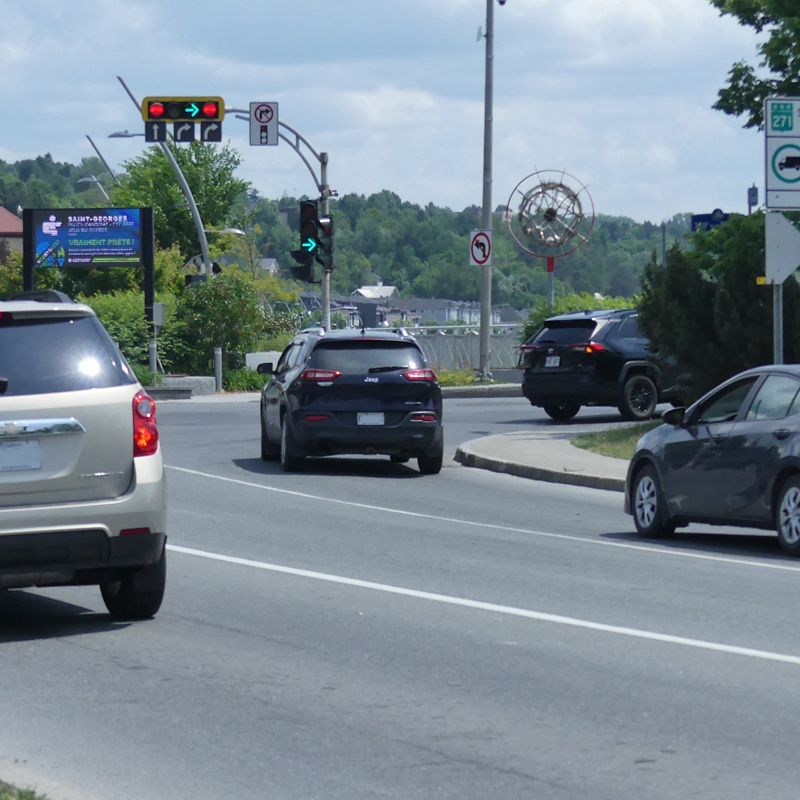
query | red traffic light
[210, 110]
[155, 110]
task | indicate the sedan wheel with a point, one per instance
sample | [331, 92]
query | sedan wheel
[788, 517]
[647, 501]
[639, 398]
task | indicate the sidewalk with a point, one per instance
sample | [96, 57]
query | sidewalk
[543, 457]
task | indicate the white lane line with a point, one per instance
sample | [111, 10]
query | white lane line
[491, 526]
[512, 611]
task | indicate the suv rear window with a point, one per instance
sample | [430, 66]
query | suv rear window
[58, 354]
[357, 356]
[567, 332]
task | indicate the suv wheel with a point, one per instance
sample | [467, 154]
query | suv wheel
[431, 464]
[269, 452]
[647, 503]
[639, 397]
[561, 412]
[290, 460]
[138, 594]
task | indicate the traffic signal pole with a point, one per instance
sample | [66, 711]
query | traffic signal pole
[201, 233]
[324, 189]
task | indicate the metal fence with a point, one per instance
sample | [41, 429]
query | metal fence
[458, 347]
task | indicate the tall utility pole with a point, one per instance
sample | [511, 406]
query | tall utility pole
[486, 213]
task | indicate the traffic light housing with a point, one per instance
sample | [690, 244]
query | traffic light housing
[324, 252]
[183, 109]
[304, 269]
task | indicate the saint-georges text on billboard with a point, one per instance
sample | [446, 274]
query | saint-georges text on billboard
[86, 237]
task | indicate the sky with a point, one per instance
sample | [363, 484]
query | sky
[616, 95]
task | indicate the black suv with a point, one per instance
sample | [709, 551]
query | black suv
[597, 358]
[352, 391]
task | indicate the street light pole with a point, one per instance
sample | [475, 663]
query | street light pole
[486, 212]
[198, 223]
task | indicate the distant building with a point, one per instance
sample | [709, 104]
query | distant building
[11, 230]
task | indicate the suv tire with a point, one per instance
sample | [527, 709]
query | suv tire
[639, 397]
[431, 464]
[290, 460]
[269, 452]
[561, 413]
[138, 594]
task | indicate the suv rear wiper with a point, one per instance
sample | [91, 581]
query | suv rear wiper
[387, 369]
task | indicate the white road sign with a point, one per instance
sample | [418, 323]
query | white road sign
[263, 123]
[782, 246]
[480, 249]
[782, 129]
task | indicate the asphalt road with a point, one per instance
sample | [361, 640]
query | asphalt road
[361, 631]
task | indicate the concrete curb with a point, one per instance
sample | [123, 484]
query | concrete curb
[469, 458]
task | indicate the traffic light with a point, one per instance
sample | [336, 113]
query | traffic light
[324, 252]
[309, 227]
[183, 109]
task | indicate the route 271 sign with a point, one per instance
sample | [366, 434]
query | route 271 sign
[782, 128]
[480, 249]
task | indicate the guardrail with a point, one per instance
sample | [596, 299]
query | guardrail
[458, 346]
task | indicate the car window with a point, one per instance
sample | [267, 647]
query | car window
[358, 356]
[775, 397]
[283, 361]
[628, 329]
[724, 405]
[295, 355]
[566, 333]
[59, 354]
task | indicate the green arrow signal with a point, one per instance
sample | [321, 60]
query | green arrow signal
[310, 244]
[192, 109]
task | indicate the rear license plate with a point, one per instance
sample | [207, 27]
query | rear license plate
[370, 418]
[552, 361]
[20, 455]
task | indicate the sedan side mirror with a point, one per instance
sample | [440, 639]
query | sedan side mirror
[674, 416]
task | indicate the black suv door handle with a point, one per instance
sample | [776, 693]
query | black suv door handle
[781, 433]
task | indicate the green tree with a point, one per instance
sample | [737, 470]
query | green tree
[778, 22]
[223, 312]
[704, 311]
[149, 180]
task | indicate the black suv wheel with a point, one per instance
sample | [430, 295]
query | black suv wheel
[639, 397]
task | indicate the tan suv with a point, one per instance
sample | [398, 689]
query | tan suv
[82, 489]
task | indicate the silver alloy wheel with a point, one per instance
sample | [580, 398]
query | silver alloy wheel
[646, 501]
[789, 516]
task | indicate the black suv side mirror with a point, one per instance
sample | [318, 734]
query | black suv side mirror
[265, 369]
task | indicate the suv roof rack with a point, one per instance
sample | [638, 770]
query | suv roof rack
[42, 296]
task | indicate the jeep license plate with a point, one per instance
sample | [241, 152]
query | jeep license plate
[20, 455]
[370, 418]
[552, 361]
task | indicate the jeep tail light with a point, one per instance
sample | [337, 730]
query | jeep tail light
[145, 430]
[423, 416]
[316, 417]
[419, 375]
[317, 375]
[528, 348]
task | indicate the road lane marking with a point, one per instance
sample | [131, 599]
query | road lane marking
[492, 526]
[479, 605]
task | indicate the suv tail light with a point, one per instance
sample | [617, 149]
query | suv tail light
[145, 430]
[588, 347]
[528, 348]
[419, 375]
[423, 416]
[318, 375]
